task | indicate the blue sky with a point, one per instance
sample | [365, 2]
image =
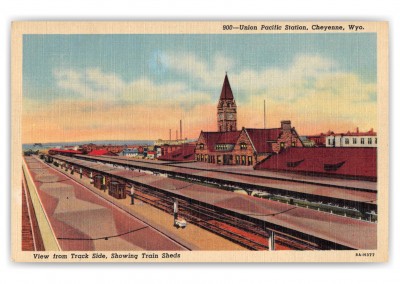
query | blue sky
[188, 70]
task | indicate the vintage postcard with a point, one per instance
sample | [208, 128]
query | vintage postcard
[200, 141]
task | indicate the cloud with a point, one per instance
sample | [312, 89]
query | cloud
[207, 73]
[312, 91]
[90, 83]
[93, 84]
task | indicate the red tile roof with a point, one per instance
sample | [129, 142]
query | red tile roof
[62, 151]
[184, 153]
[226, 93]
[261, 138]
[360, 163]
[213, 138]
[101, 152]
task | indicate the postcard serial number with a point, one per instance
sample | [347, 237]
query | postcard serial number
[365, 254]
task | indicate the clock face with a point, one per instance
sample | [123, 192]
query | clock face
[230, 116]
[220, 116]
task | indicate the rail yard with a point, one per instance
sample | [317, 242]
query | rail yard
[99, 203]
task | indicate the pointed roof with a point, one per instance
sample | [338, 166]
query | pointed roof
[262, 139]
[226, 93]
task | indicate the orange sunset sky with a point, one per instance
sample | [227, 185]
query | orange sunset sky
[137, 87]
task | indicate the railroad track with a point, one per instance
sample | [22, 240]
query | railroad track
[239, 231]
[31, 238]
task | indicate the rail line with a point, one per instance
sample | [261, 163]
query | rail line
[234, 229]
[31, 238]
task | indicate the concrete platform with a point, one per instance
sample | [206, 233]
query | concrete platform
[79, 210]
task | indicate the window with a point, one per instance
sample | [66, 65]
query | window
[293, 144]
[369, 140]
[294, 164]
[376, 140]
[282, 144]
[354, 140]
[329, 142]
[237, 160]
[201, 146]
[333, 167]
[249, 160]
[346, 141]
[243, 146]
[362, 141]
[243, 160]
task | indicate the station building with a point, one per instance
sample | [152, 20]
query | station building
[248, 146]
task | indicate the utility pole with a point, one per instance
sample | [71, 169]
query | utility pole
[175, 211]
[271, 241]
[264, 114]
[132, 195]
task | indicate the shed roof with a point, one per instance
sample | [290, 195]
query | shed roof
[355, 162]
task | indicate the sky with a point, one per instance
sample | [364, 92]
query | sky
[137, 87]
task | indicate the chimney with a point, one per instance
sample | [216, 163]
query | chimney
[177, 134]
[180, 124]
[170, 138]
[357, 130]
[286, 125]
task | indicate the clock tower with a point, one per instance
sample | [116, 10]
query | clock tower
[226, 115]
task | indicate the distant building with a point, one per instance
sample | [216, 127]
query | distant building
[307, 142]
[318, 140]
[248, 146]
[151, 154]
[353, 139]
[87, 148]
[184, 153]
[56, 151]
[101, 152]
[161, 142]
[129, 152]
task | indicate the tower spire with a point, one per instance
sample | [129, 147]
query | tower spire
[226, 92]
[226, 108]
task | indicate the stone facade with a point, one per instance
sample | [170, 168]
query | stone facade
[288, 138]
[244, 151]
